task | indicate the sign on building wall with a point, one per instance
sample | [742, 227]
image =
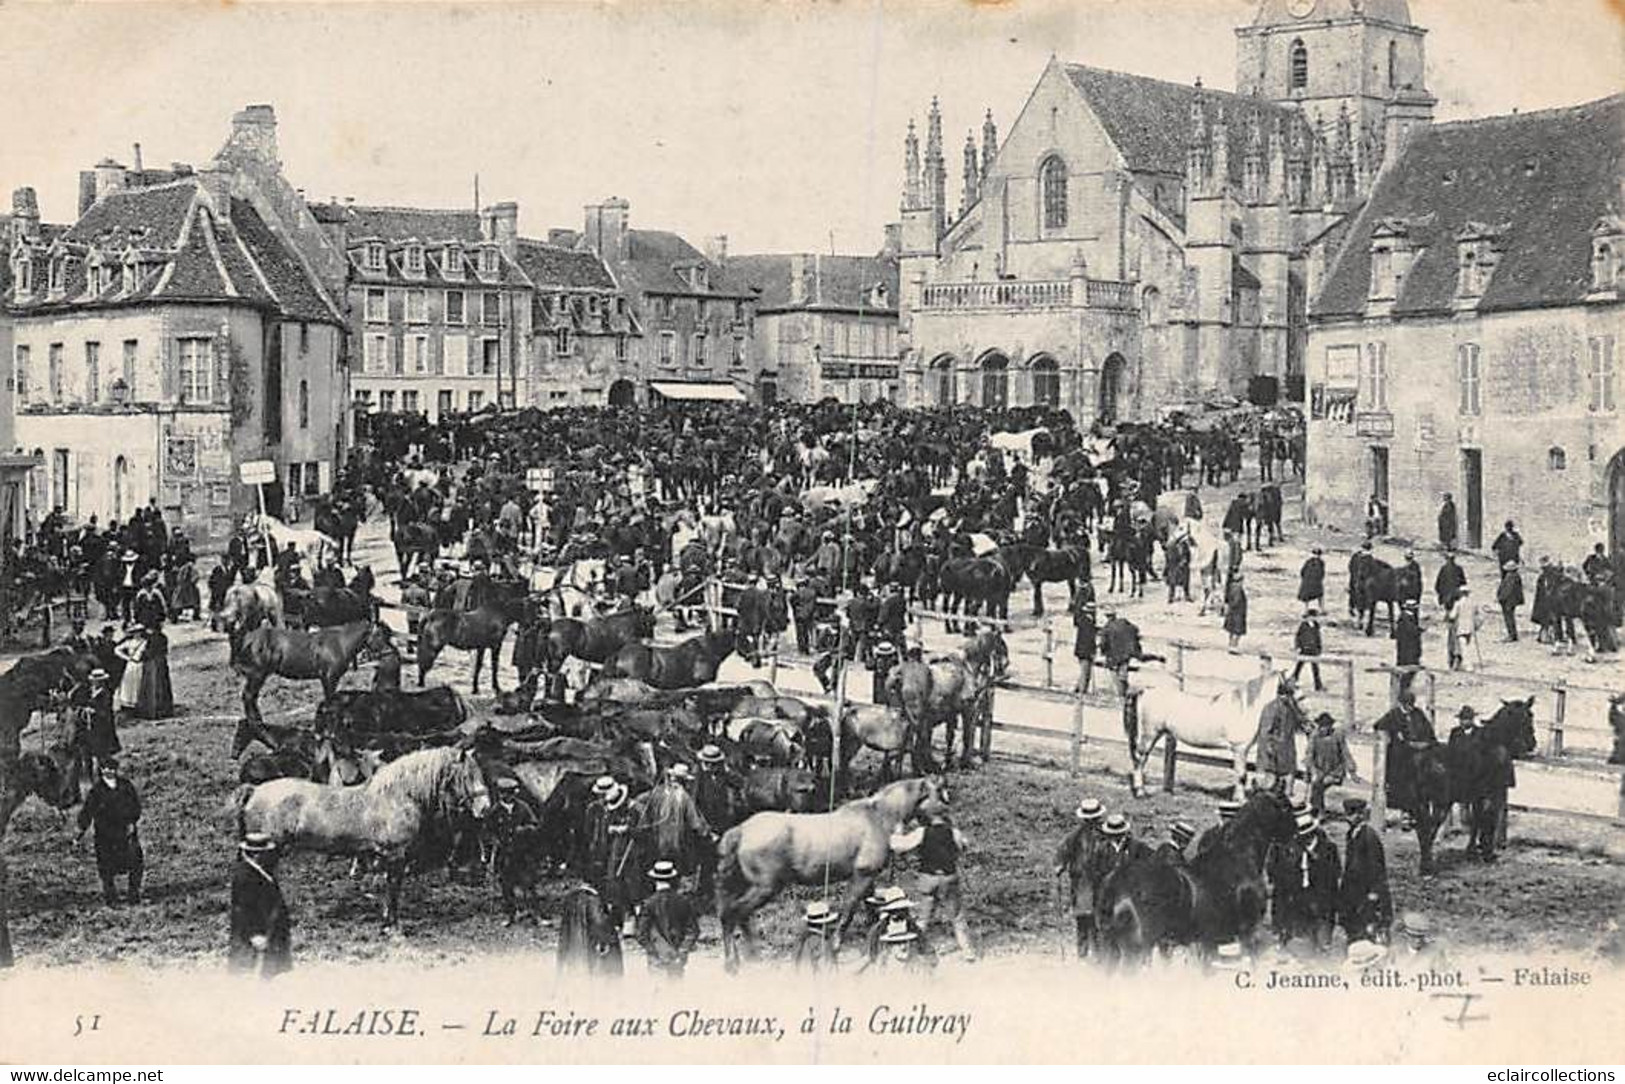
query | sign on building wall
[180, 458]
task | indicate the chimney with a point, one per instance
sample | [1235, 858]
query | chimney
[138, 158]
[110, 177]
[24, 214]
[87, 190]
[500, 223]
[716, 248]
[606, 228]
[253, 135]
[798, 279]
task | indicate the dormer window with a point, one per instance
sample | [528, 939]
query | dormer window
[375, 256]
[490, 260]
[414, 259]
[59, 271]
[451, 263]
[1382, 272]
[23, 270]
[1470, 283]
[129, 277]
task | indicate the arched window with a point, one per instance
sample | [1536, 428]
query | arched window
[1046, 382]
[1299, 66]
[1052, 180]
[1151, 306]
[1393, 64]
[1557, 459]
[304, 405]
[943, 373]
[995, 382]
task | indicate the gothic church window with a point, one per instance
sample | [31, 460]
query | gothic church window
[1299, 68]
[1053, 184]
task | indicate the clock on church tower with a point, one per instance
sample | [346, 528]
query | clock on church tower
[1301, 9]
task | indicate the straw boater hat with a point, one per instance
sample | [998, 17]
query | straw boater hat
[98, 674]
[1365, 953]
[898, 932]
[131, 557]
[679, 771]
[1090, 809]
[819, 914]
[894, 899]
[603, 785]
[1116, 825]
[256, 843]
[1416, 924]
[507, 783]
[710, 754]
[1182, 834]
[1307, 824]
[1299, 808]
[1510, 566]
[1228, 809]
[1229, 958]
[663, 871]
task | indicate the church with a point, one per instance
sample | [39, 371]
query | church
[1134, 245]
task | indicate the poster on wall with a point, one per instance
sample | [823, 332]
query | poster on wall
[220, 496]
[180, 458]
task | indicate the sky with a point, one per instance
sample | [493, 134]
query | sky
[778, 124]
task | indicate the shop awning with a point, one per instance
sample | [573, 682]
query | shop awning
[697, 391]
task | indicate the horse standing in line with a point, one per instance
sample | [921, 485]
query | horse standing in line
[949, 688]
[981, 585]
[388, 819]
[1227, 722]
[324, 655]
[1067, 564]
[481, 631]
[687, 665]
[851, 843]
[881, 727]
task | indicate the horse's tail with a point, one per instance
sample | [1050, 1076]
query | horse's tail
[1131, 723]
[730, 878]
[239, 806]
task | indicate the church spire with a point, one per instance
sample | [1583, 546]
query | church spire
[971, 179]
[990, 144]
[1220, 154]
[1197, 161]
[936, 170]
[1252, 166]
[911, 169]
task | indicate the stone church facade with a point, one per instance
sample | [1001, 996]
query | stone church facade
[1134, 245]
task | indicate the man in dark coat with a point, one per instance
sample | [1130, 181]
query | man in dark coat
[1508, 545]
[804, 606]
[1120, 644]
[1303, 880]
[1330, 761]
[114, 807]
[1408, 579]
[1117, 847]
[1409, 732]
[1278, 726]
[1308, 643]
[1365, 908]
[510, 825]
[101, 736]
[608, 832]
[1075, 860]
[261, 932]
[1542, 612]
[1086, 642]
[1357, 566]
[1447, 523]
[668, 925]
[1509, 596]
[1312, 578]
[1235, 610]
[1408, 638]
[1448, 583]
[1172, 849]
[818, 948]
[1177, 570]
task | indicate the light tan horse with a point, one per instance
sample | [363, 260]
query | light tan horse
[387, 818]
[948, 689]
[851, 843]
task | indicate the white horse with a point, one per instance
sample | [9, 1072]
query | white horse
[1228, 722]
[312, 543]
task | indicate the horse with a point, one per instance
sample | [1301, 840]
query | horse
[1067, 565]
[596, 640]
[360, 712]
[1477, 774]
[247, 606]
[977, 585]
[787, 790]
[776, 742]
[589, 942]
[1266, 528]
[416, 543]
[326, 606]
[311, 544]
[689, 664]
[480, 631]
[1379, 582]
[885, 729]
[770, 850]
[946, 688]
[322, 655]
[387, 819]
[338, 518]
[1220, 895]
[1228, 721]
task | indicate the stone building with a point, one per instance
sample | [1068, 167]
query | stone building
[1467, 339]
[826, 326]
[1133, 244]
[15, 464]
[697, 324]
[587, 338]
[179, 327]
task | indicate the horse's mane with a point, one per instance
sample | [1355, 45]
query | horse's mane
[874, 800]
[421, 776]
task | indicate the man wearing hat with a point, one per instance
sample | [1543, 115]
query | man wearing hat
[1120, 644]
[669, 825]
[149, 610]
[901, 948]
[1448, 527]
[1408, 638]
[1312, 579]
[1449, 581]
[511, 825]
[1172, 849]
[1303, 879]
[668, 925]
[608, 833]
[1418, 947]
[114, 807]
[1278, 726]
[260, 926]
[1409, 732]
[1117, 847]
[817, 949]
[94, 703]
[1087, 639]
[718, 792]
[893, 910]
[1509, 596]
[804, 608]
[1075, 859]
[1308, 645]
[129, 583]
[1359, 560]
[937, 886]
[1461, 625]
[1365, 908]
[1235, 609]
[1330, 761]
[1508, 546]
[1211, 835]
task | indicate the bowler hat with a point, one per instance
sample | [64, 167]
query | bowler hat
[710, 754]
[1356, 807]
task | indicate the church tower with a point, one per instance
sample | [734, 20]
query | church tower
[1361, 58]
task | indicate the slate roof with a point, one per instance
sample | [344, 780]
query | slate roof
[549, 266]
[1149, 120]
[651, 263]
[564, 278]
[833, 282]
[186, 252]
[400, 223]
[1547, 177]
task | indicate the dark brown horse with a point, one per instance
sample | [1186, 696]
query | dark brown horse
[1219, 896]
[982, 585]
[687, 665]
[323, 607]
[597, 639]
[338, 517]
[1067, 565]
[480, 631]
[323, 655]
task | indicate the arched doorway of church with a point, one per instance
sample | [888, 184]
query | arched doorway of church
[1111, 388]
[942, 391]
[622, 394]
[1046, 377]
[121, 488]
[1616, 512]
[995, 381]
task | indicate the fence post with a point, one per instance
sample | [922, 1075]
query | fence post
[1179, 663]
[987, 729]
[1433, 695]
[1348, 698]
[1049, 655]
[1077, 729]
[1554, 747]
[1170, 761]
